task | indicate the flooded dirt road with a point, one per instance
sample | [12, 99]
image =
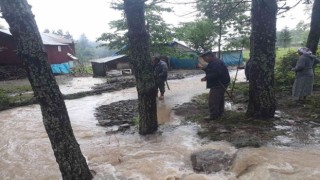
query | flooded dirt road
[26, 153]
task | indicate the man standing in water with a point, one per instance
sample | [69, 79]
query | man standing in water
[218, 79]
[160, 72]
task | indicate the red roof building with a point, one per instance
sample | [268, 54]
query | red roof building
[59, 49]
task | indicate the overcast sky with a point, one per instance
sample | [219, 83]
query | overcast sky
[91, 17]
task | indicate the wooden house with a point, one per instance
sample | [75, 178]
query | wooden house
[101, 66]
[60, 51]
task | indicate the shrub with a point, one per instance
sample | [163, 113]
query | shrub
[284, 76]
[81, 69]
[4, 99]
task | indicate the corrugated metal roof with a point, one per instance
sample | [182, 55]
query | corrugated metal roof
[107, 59]
[53, 38]
[47, 38]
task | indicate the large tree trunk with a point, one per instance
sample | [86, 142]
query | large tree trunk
[30, 48]
[262, 101]
[141, 61]
[314, 34]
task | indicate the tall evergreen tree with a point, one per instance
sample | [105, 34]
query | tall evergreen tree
[46, 31]
[85, 49]
[159, 31]
[262, 102]
[60, 32]
[314, 34]
[67, 35]
[285, 37]
[141, 60]
[228, 15]
[300, 34]
[31, 50]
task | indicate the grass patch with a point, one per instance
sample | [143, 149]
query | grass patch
[81, 69]
[234, 126]
[280, 53]
[136, 120]
[11, 95]
[239, 130]
[4, 98]
[13, 89]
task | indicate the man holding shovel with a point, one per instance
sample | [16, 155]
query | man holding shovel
[160, 72]
[218, 79]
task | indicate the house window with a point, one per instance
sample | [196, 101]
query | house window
[59, 48]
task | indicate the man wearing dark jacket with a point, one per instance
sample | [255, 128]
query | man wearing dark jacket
[218, 79]
[160, 71]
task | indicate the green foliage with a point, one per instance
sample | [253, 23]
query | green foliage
[60, 32]
[241, 88]
[314, 101]
[84, 50]
[298, 35]
[46, 31]
[229, 15]
[87, 50]
[284, 76]
[15, 89]
[280, 53]
[185, 56]
[316, 82]
[159, 31]
[12, 95]
[136, 120]
[200, 35]
[238, 42]
[4, 98]
[246, 55]
[82, 69]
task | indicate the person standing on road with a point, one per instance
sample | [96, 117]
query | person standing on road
[303, 83]
[218, 79]
[160, 72]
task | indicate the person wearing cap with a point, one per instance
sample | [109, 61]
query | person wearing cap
[160, 72]
[303, 83]
[217, 79]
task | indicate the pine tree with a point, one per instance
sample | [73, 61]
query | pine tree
[140, 56]
[262, 102]
[285, 37]
[314, 34]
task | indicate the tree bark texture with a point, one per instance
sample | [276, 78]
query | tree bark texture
[314, 34]
[141, 60]
[30, 49]
[262, 101]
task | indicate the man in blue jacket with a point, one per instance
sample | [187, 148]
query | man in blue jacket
[218, 79]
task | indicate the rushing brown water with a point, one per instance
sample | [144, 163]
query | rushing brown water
[26, 151]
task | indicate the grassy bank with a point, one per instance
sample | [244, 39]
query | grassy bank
[15, 94]
[280, 52]
[243, 131]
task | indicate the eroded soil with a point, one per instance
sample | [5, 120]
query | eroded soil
[294, 124]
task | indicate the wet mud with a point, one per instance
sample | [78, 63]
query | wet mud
[111, 84]
[293, 124]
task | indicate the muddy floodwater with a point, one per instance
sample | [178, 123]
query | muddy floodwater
[26, 153]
